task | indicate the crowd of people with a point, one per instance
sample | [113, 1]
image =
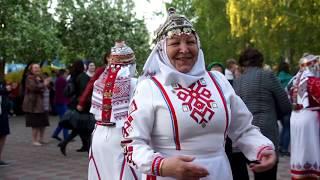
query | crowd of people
[180, 119]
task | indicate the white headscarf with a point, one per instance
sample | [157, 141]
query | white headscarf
[158, 63]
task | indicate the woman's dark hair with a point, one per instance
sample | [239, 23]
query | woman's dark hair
[284, 66]
[77, 68]
[251, 57]
[88, 63]
[61, 72]
[105, 56]
[24, 77]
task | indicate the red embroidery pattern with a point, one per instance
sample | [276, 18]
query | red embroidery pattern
[127, 128]
[196, 99]
[128, 150]
[314, 91]
[307, 169]
[133, 107]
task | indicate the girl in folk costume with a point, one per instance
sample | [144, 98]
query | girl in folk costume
[110, 100]
[181, 114]
[305, 120]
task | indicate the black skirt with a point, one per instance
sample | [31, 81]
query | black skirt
[37, 120]
[4, 124]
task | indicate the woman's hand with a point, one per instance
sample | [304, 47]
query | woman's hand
[268, 160]
[181, 167]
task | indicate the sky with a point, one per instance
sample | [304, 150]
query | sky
[144, 10]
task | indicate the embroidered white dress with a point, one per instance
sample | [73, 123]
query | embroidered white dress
[171, 120]
[106, 159]
[305, 134]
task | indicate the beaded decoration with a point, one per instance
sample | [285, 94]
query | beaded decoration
[174, 25]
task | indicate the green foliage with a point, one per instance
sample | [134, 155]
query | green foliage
[277, 27]
[27, 31]
[14, 77]
[90, 28]
[184, 7]
[83, 29]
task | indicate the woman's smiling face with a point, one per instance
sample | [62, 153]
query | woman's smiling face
[182, 51]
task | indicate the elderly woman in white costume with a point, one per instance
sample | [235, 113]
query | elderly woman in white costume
[110, 101]
[305, 120]
[181, 114]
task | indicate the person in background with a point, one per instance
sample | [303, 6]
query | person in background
[49, 94]
[215, 66]
[34, 105]
[60, 102]
[80, 79]
[91, 68]
[4, 110]
[305, 120]
[13, 98]
[262, 93]
[284, 77]
[231, 65]
[237, 72]
[180, 114]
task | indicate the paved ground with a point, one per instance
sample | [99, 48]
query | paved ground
[47, 163]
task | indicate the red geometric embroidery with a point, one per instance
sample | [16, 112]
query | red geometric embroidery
[128, 150]
[133, 107]
[197, 100]
[127, 128]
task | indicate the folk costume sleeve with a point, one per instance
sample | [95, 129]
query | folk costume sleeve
[243, 134]
[137, 131]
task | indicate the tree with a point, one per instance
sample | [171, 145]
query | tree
[89, 28]
[184, 7]
[28, 31]
[279, 28]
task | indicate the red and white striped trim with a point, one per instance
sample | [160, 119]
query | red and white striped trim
[156, 164]
[172, 113]
[298, 174]
[223, 100]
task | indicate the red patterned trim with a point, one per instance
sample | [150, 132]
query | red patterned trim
[155, 167]
[223, 100]
[305, 172]
[172, 111]
[262, 149]
[107, 93]
[159, 166]
[150, 177]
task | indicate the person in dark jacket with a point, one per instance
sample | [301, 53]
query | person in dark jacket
[265, 98]
[80, 79]
[4, 110]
